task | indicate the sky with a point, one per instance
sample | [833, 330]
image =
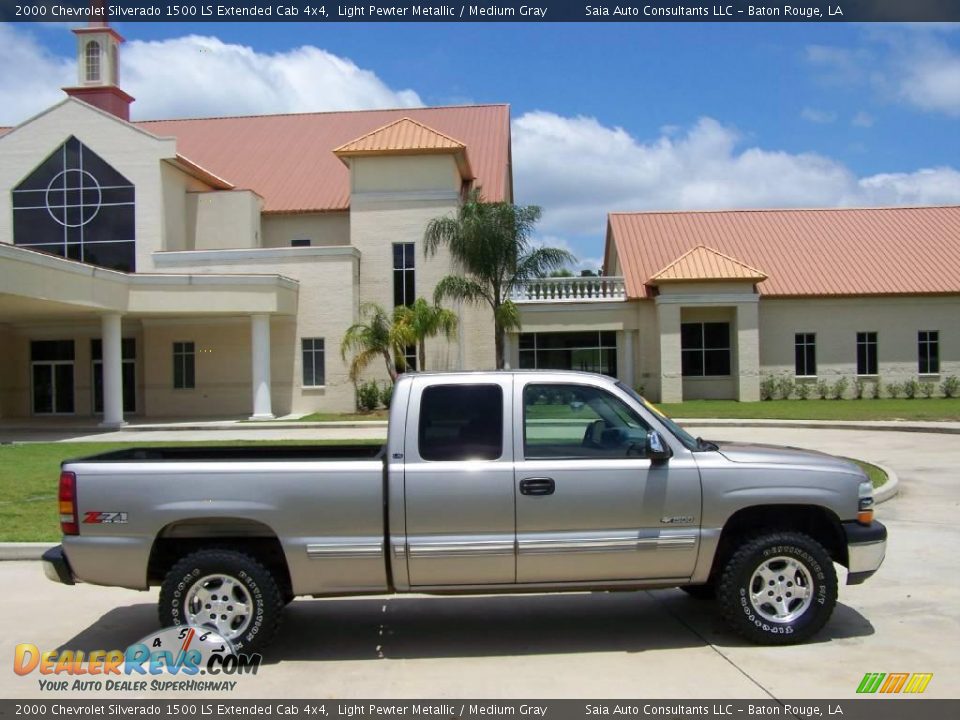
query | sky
[605, 117]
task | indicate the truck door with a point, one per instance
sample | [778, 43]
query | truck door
[590, 506]
[458, 481]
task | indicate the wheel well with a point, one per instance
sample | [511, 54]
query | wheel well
[179, 539]
[818, 522]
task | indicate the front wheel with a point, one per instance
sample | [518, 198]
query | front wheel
[778, 589]
[226, 591]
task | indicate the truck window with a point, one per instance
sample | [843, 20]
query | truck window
[579, 421]
[461, 422]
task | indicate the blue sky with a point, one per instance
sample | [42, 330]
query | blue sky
[647, 116]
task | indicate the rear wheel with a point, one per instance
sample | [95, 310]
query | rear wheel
[778, 589]
[226, 591]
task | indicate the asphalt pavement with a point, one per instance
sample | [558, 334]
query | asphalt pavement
[651, 644]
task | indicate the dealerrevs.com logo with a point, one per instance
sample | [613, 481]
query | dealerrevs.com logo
[170, 660]
[890, 683]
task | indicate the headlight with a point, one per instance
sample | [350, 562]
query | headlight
[865, 503]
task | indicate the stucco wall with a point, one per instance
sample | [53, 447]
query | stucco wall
[321, 229]
[836, 323]
[179, 219]
[404, 173]
[223, 219]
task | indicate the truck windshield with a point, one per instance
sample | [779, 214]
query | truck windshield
[682, 435]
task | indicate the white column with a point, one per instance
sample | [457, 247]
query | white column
[748, 352]
[112, 371]
[507, 351]
[671, 377]
[627, 372]
[260, 355]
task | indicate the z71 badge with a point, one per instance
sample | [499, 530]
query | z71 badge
[105, 518]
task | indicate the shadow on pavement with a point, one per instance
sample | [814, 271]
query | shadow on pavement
[477, 626]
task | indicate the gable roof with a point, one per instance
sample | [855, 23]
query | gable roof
[289, 159]
[703, 263]
[827, 252]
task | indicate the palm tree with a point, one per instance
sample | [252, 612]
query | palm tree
[490, 246]
[423, 321]
[380, 336]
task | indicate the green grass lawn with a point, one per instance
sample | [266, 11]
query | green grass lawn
[29, 474]
[886, 409]
[877, 476]
[344, 417]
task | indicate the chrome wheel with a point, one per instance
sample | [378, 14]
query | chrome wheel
[781, 589]
[220, 603]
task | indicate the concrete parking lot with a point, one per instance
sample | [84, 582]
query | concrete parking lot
[617, 645]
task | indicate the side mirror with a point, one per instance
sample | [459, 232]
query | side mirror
[657, 450]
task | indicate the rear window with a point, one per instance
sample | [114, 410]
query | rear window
[461, 422]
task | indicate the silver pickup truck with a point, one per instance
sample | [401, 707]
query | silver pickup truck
[492, 482]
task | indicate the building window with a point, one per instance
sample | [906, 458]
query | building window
[805, 353]
[300, 242]
[410, 358]
[51, 370]
[184, 366]
[404, 288]
[705, 349]
[866, 353]
[77, 206]
[93, 61]
[590, 351]
[314, 373]
[461, 422]
[928, 352]
[128, 373]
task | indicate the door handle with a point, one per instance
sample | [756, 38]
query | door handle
[537, 486]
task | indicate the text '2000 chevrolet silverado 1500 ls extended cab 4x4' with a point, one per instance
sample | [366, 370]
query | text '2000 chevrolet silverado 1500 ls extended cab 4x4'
[492, 482]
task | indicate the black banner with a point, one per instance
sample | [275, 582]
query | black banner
[763, 709]
[317, 11]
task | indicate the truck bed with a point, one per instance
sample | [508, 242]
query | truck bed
[246, 453]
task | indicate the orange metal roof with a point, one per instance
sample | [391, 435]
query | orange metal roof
[289, 159]
[401, 135]
[703, 263]
[878, 251]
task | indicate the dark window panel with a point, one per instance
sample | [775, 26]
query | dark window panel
[691, 363]
[716, 335]
[51, 350]
[716, 362]
[461, 422]
[691, 336]
[300, 242]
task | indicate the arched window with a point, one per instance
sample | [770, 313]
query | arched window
[93, 61]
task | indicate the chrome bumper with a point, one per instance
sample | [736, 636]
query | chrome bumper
[866, 548]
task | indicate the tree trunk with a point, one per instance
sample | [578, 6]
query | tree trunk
[498, 344]
[421, 356]
[391, 369]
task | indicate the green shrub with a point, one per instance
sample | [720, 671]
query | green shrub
[386, 394]
[894, 390]
[911, 388]
[368, 396]
[950, 387]
[803, 390]
[768, 386]
[786, 386]
[877, 389]
[859, 388]
[838, 388]
[927, 388]
[823, 389]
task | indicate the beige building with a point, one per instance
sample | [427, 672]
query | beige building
[704, 305]
[210, 267]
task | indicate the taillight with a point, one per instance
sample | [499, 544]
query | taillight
[67, 498]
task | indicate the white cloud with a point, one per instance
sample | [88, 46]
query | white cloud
[578, 170]
[862, 119]
[199, 76]
[931, 80]
[820, 117]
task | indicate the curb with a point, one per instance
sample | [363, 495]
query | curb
[818, 425]
[889, 489]
[24, 550]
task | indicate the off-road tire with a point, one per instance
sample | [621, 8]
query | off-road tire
[707, 591]
[733, 593]
[243, 569]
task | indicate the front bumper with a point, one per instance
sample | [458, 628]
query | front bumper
[56, 567]
[866, 548]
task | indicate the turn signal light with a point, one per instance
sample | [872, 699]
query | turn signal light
[865, 511]
[67, 498]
